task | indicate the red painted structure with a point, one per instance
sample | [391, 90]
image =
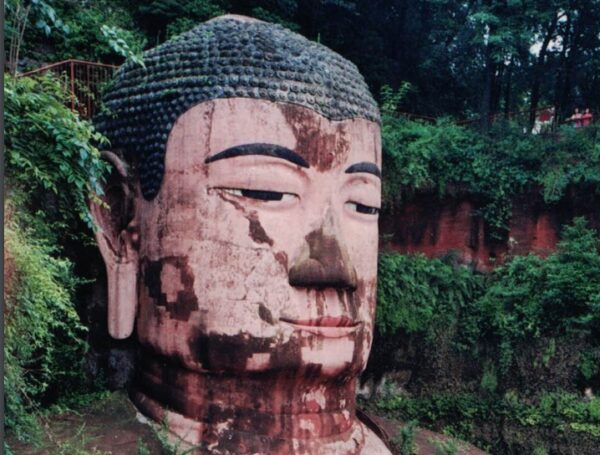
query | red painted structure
[84, 81]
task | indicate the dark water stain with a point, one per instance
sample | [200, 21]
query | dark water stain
[321, 150]
[208, 117]
[255, 229]
[326, 266]
[257, 233]
[256, 419]
[265, 314]
[282, 258]
[186, 301]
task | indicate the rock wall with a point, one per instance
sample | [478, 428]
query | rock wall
[435, 226]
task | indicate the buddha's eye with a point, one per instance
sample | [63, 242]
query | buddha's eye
[261, 195]
[361, 208]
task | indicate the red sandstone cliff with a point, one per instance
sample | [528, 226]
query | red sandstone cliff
[435, 226]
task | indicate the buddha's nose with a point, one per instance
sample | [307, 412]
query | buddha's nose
[324, 261]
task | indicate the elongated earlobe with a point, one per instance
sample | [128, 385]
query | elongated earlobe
[117, 235]
[122, 299]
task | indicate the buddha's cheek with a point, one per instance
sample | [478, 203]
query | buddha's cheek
[236, 294]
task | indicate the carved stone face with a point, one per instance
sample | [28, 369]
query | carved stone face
[260, 251]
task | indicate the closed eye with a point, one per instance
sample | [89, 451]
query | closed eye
[260, 195]
[361, 208]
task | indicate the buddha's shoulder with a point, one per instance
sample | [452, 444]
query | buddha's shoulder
[376, 437]
[373, 443]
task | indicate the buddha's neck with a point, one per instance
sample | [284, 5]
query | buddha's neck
[258, 413]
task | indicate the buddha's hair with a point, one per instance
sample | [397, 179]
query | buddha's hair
[224, 58]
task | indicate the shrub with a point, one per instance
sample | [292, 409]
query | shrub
[528, 316]
[53, 167]
[44, 339]
[446, 158]
[531, 297]
[421, 295]
[50, 151]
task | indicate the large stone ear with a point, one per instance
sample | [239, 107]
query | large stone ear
[117, 235]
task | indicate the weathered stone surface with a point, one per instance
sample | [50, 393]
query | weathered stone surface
[249, 273]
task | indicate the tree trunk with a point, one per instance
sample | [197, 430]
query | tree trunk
[570, 59]
[486, 95]
[496, 89]
[539, 71]
[507, 89]
[561, 74]
[19, 24]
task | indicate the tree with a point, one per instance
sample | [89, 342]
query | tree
[19, 16]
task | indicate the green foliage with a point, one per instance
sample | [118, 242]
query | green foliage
[525, 311]
[179, 26]
[169, 445]
[446, 158]
[390, 98]
[24, 19]
[463, 412]
[117, 41]
[48, 19]
[53, 167]
[91, 36]
[188, 15]
[571, 158]
[458, 411]
[77, 400]
[448, 447]
[164, 19]
[420, 295]
[531, 297]
[41, 14]
[589, 363]
[49, 149]
[406, 438]
[44, 343]
[489, 379]
[528, 298]
[588, 428]
[142, 449]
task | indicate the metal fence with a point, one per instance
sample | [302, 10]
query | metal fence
[83, 80]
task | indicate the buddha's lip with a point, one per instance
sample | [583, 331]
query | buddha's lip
[327, 327]
[325, 321]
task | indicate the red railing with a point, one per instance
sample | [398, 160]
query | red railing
[84, 82]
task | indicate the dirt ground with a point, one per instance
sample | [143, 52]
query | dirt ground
[425, 442]
[110, 427]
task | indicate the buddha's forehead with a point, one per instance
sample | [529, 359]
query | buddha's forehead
[217, 125]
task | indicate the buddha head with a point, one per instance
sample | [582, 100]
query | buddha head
[241, 239]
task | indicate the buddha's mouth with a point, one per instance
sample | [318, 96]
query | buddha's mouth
[327, 326]
[325, 321]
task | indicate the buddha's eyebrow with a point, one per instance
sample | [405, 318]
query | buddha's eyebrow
[273, 150]
[369, 168]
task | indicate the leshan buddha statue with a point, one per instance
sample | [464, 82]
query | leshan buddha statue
[241, 239]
